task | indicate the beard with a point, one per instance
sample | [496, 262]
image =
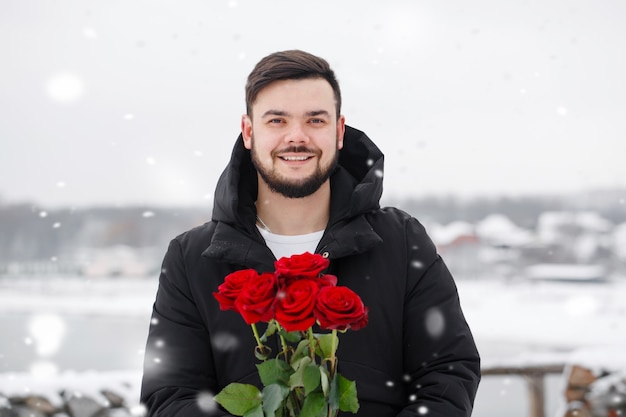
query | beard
[295, 188]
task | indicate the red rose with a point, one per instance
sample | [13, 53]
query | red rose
[306, 265]
[340, 308]
[256, 301]
[294, 305]
[327, 280]
[232, 286]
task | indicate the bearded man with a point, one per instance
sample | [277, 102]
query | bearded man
[301, 180]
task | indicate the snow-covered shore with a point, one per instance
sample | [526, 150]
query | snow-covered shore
[77, 295]
[515, 323]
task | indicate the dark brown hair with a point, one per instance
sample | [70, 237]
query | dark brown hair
[289, 65]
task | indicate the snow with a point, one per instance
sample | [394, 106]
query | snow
[570, 272]
[546, 321]
[119, 297]
[446, 234]
[515, 323]
[498, 228]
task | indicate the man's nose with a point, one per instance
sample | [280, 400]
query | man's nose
[297, 134]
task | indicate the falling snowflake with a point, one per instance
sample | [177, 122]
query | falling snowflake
[65, 88]
[417, 264]
[422, 409]
[435, 322]
[138, 410]
[90, 33]
[225, 341]
[205, 402]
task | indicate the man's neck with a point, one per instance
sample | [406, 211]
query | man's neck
[293, 216]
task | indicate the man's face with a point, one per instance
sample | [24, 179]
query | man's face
[294, 135]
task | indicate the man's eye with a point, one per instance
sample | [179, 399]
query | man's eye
[275, 121]
[316, 121]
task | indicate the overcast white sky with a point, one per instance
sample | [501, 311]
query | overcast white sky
[137, 101]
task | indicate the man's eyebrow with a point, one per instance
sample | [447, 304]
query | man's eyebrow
[275, 113]
[318, 113]
[311, 113]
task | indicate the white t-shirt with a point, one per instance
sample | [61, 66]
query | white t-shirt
[285, 246]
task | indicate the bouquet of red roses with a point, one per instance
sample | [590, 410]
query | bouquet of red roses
[302, 379]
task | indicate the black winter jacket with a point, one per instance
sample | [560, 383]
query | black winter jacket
[416, 356]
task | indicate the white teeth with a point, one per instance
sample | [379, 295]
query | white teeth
[295, 158]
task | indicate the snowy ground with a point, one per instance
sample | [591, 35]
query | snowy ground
[514, 323]
[555, 320]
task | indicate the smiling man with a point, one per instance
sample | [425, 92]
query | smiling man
[300, 180]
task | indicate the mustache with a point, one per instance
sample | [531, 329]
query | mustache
[297, 149]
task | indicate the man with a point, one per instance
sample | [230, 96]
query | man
[300, 180]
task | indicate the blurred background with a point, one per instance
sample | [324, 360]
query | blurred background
[502, 124]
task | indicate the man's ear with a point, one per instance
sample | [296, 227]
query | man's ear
[246, 131]
[341, 130]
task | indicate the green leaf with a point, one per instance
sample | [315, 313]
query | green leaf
[348, 400]
[313, 405]
[297, 378]
[262, 352]
[301, 351]
[325, 343]
[311, 378]
[325, 380]
[291, 337]
[271, 329]
[273, 397]
[274, 371]
[238, 399]
[255, 412]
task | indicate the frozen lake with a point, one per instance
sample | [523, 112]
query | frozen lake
[71, 324]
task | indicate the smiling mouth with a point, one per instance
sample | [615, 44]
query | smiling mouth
[295, 158]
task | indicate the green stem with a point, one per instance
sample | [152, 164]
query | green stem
[311, 344]
[333, 366]
[256, 335]
[283, 342]
[333, 351]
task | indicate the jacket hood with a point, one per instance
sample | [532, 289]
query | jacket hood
[356, 184]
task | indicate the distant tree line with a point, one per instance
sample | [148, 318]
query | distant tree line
[31, 232]
[523, 211]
